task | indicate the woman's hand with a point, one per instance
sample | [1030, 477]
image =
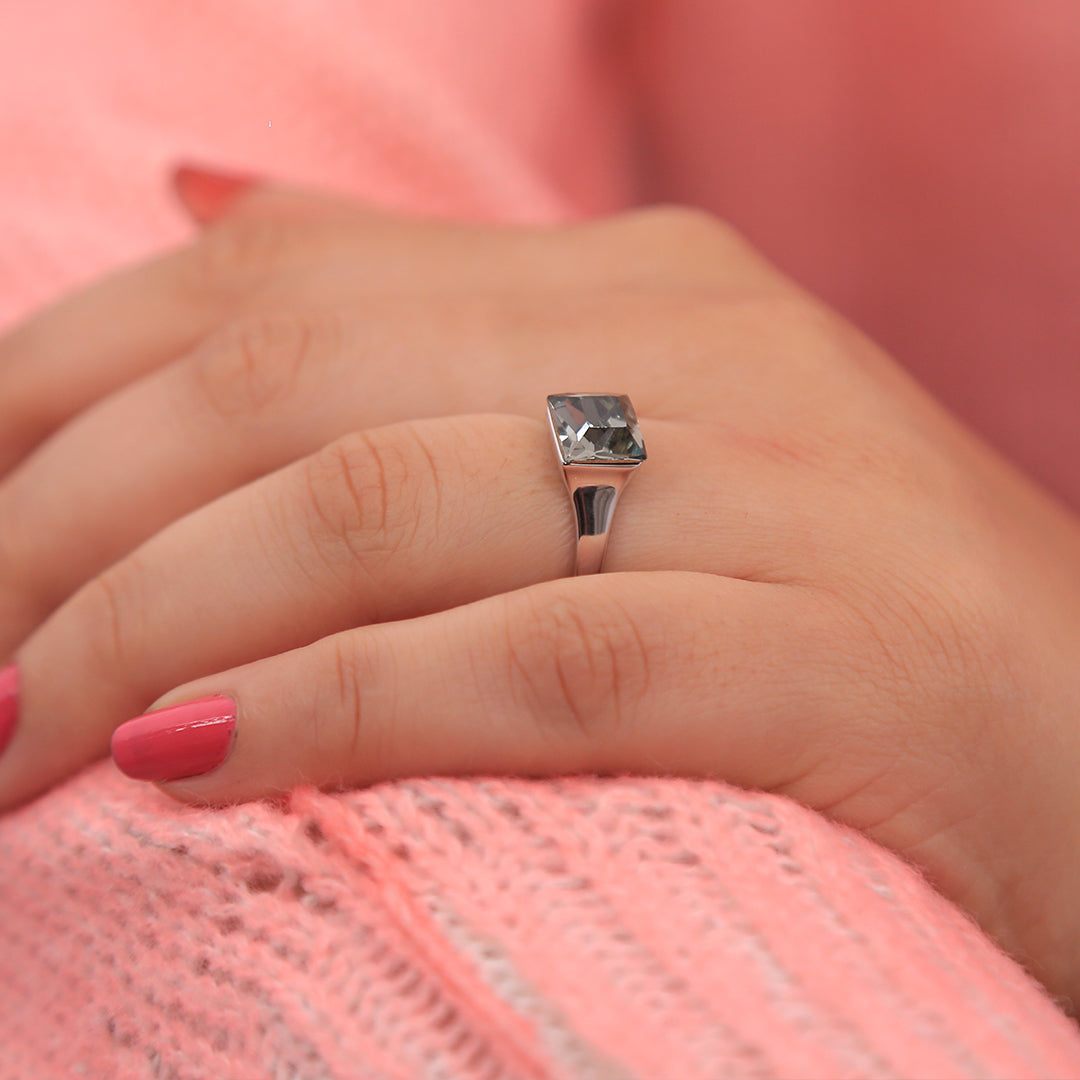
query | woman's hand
[302, 469]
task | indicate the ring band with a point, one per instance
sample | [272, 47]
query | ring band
[599, 445]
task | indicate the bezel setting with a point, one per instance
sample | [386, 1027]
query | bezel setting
[599, 445]
[596, 429]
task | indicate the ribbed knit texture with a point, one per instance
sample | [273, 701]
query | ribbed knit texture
[464, 929]
[617, 929]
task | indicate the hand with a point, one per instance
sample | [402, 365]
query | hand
[299, 475]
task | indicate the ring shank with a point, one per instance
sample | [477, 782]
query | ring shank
[595, 498]
[590, 553]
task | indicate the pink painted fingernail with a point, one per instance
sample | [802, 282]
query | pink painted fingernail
[182, 740]
[9, 704]
[207, 193]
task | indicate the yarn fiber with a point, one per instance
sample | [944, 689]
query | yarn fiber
[473, 929]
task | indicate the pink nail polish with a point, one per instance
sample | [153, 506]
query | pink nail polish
[9, 703]
[182, 740]
[207, 193]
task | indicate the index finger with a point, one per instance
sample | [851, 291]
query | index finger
[88, 344]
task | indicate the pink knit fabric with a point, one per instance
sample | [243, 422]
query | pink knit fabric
[584, 928]
[612, 928]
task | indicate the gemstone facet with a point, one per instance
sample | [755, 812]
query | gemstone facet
[599, 429]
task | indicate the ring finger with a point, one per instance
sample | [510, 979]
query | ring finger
[264, 392]
[267, 391]
[378, 526]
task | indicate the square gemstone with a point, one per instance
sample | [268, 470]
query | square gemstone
[598, 428]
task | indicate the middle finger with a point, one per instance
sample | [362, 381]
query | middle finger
[268, 391]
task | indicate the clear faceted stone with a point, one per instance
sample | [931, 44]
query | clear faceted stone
[599, 428]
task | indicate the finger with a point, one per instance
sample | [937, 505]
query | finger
[251, 399]
[266, 391]
[378, 525]
[161, 447]
[668, 672]
[664, 244]
[87, 344]
[274, 242]
[382, 525]
[79, 349]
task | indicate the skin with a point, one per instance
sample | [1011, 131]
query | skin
[304, 462]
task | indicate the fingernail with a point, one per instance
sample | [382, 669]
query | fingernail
[207, 193]
[9, 704]
[180, 741]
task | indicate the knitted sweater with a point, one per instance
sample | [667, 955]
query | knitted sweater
[615, 928]
[579, 929]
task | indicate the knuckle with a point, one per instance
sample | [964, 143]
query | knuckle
[577, 667]
[252, 367]
[673, 246]
[831, 358]
[782, 338]
[959, 612]
[678, 219]
[940, 636]
[804, 325]
[109, 607]
[675, 228]
[785, 330]
[363, 719]
[362, 493]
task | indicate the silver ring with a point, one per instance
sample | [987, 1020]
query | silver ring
[599, 445]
